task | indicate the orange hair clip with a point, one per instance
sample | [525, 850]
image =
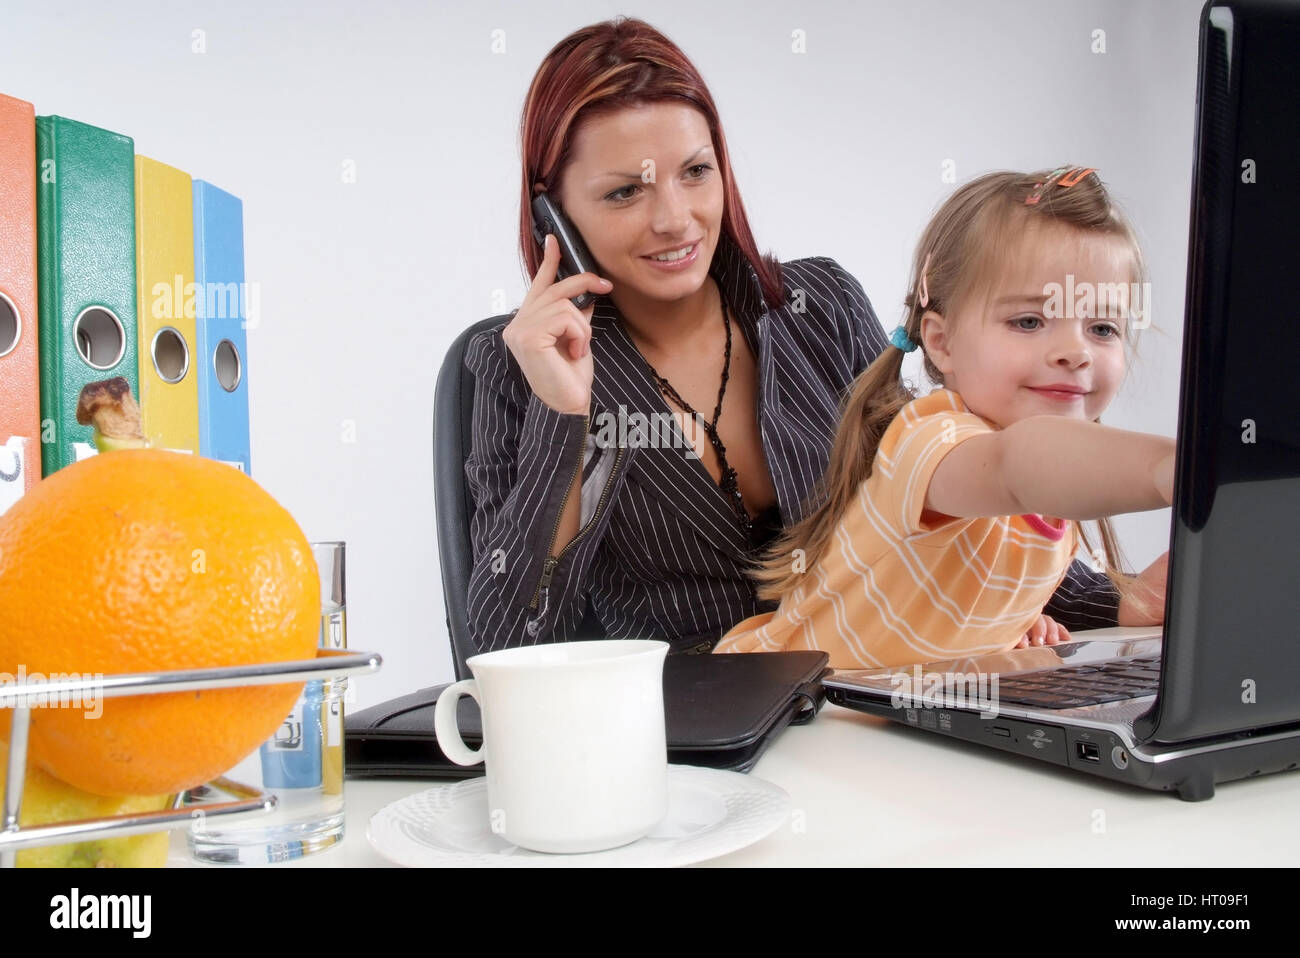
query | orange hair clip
[1063, 177]
[1074, 176]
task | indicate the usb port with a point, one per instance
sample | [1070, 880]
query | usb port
[1088, 752]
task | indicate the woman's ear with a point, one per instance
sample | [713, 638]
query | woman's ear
[935, 338]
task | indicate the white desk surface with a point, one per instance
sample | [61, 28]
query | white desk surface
[866, 791]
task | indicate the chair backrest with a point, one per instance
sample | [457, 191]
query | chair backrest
[453, 415]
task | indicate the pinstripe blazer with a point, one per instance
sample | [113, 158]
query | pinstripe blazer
[659, 553]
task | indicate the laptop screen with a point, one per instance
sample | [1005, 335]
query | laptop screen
[1232, 651]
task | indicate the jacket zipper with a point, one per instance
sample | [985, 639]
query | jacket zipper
[542, 592]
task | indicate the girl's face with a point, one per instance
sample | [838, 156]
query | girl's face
[1048, 339]
[645, 181]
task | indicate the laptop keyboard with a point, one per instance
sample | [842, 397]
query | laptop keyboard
[1077, 685]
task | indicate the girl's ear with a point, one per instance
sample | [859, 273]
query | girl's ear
[935, 338]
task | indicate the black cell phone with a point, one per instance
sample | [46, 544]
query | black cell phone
[574, 258]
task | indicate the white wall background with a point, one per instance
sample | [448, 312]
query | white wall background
[838, 151]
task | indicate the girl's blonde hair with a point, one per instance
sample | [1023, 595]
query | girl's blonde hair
[961, 253]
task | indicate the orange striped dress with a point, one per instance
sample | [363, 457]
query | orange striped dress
[893, 589]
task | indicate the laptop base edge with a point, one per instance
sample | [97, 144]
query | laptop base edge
[1192, 771]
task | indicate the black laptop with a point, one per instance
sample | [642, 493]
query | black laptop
[1214, 695]
[720, 711]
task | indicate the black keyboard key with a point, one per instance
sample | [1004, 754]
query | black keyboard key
[1066, 701]
[1063, 701]
[1041, 700]
[1079, 685]
[1128, 692]
[1099, 686]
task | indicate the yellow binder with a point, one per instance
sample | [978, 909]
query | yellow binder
[164, 243]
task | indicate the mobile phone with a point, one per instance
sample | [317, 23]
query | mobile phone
[574, 258]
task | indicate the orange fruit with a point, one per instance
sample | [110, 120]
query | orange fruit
[142, 560]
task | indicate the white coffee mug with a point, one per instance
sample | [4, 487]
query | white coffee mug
[573, 740]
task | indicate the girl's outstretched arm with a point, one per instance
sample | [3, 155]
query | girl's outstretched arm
[1065, 468]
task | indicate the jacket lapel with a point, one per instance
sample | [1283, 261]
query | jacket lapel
[678, 480]
[671, 472]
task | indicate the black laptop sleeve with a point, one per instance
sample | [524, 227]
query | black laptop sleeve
[721, 711]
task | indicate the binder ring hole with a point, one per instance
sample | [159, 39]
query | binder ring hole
[100, 337]
[226, 365]
[11, 325]
[171, 357]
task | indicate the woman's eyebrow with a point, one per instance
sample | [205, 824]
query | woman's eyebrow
[637, 175]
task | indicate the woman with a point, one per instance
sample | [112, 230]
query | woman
[749, 356]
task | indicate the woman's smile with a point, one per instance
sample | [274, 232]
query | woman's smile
[675, 259]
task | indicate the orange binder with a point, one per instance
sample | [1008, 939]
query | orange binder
[20, 398]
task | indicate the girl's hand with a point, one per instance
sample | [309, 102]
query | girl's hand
[1046, 631]
[550, 337]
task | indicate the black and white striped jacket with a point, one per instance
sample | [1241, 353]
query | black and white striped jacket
[659, 553]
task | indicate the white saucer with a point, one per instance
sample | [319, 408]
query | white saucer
[710, 813]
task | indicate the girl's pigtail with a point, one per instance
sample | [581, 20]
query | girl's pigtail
[876, 397]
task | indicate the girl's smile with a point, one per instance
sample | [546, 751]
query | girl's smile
[1062, 392]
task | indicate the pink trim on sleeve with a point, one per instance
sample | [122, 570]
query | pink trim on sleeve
[1055, 533]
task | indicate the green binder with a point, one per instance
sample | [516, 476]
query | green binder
[85, 215]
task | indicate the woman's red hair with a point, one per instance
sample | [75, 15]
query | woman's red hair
[601, 69]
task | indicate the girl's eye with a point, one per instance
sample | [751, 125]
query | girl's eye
[1020, 320]
[618, 196]
[1107, 330]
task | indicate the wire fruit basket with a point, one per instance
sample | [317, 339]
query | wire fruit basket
[245, 802]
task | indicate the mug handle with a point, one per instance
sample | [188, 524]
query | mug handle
[445, 727]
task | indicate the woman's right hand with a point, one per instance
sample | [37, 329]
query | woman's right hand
[550, 337]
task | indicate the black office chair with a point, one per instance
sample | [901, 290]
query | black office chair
[453, 414]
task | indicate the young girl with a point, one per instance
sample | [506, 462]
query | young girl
[949, 520]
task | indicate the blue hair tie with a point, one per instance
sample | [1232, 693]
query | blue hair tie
[899, 338]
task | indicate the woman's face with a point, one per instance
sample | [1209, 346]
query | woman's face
[641, 182]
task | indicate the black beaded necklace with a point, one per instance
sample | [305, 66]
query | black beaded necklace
[729, 484]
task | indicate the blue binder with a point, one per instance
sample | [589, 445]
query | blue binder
[220, 310]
